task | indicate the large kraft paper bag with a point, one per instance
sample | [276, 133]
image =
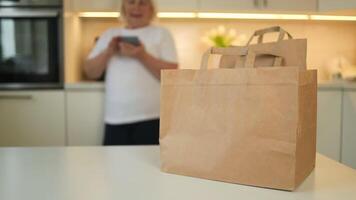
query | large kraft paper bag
[252, 125]
[293, 51]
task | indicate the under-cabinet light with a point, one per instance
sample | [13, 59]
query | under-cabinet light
[212, 15]
[100, 14]
[251, 16]
[333, 18]
[176, 15]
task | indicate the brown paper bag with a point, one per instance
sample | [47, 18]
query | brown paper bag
[253, 126]
[292, 50]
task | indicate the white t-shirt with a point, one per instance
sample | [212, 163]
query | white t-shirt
[132, 92]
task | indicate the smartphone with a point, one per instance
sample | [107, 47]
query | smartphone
[130, 39]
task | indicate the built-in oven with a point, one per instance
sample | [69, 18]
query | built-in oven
[31, 44]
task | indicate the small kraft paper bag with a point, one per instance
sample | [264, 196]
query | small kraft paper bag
[250, 125]
[293, 51]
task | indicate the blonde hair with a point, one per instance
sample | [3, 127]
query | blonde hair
[123, 14]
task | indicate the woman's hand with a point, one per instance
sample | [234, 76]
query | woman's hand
[154, 65]
[113, 46]
[95, 67]
[130, 50]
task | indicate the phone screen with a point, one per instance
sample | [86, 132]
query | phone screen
[130, 39]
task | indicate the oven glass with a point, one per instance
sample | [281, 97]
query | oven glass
[29, 50]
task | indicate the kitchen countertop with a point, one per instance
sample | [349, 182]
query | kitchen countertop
[132, 172]
[87, 85]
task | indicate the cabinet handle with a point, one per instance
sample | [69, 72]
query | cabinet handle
[265, 3]
[16, 97]
[255, 3]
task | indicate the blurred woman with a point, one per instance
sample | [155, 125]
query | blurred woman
[132, 74]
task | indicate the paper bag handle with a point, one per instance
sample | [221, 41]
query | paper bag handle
[231, 51]
[274, 29]
[251, 59]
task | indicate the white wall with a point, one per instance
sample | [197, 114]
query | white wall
[326, 40]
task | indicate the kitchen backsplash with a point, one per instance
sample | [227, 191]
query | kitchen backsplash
[327, 40]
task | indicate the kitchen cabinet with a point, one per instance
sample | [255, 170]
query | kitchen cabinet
[291, 5]
[257, 5]
[114, 5]
[226, 5]
[348, 155]
[332, 5]
[84, 111]
[329, 123]
[95, 5]
[177, 5]
[202, 5]
[32, 118]
[218, 6]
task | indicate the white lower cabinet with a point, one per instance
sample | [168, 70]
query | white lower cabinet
[329, 123]
[32, 118]
[85, 126]
[75, 117]
[348, 155]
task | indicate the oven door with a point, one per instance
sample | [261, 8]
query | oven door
[30, 2]
[30, 48]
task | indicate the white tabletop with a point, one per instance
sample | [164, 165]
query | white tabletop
[101, 173]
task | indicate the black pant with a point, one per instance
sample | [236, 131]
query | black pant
[139, 133]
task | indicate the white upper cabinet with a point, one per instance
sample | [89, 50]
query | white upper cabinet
[114, 5]
[219, 6]
[177, 5]
[94, 5]
[257, 5]
[209, 5]
[291, 5]
[226, 5]
[334, 5]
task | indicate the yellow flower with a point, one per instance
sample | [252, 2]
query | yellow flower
[220, 37]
